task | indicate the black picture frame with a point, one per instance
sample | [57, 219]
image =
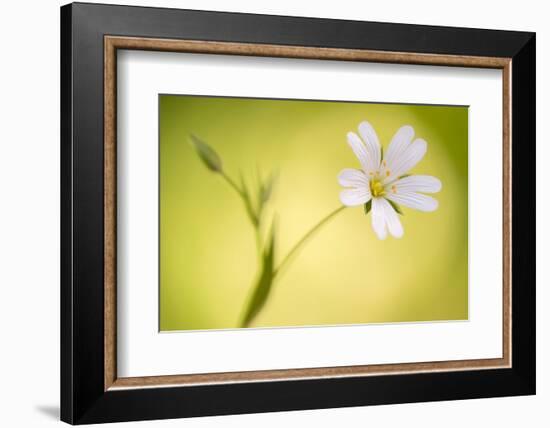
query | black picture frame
[83, 396]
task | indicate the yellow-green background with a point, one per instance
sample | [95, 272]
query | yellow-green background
[344, 275]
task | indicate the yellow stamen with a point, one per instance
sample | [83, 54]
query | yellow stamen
[393, 189]
[388, 173]
[377, 188]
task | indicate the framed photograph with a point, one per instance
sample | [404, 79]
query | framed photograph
[265, 213]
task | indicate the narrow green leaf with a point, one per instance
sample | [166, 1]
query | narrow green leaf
[248, 202]
[264, 283]
[207, 154]
[267, 187]
[260, 189]
[263, 193]
[396, 207]
[368, 206]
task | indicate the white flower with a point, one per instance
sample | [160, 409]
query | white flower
[382, 182]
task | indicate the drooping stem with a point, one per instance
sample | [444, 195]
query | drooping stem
[304, 239]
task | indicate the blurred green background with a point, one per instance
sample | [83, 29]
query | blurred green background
[344, 275]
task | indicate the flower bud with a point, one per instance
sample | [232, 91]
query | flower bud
[207, 154]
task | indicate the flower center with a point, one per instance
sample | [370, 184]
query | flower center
[377, 188]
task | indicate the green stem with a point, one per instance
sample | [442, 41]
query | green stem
[254, 219]
[230, 181]
[308, 235]
[244, 196]
[258, 241]
[266, 282]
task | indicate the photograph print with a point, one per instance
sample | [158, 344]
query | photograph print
[296, 213]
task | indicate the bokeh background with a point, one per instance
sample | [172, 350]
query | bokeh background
[344, 275]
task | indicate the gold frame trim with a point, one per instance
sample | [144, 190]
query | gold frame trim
[112, 43]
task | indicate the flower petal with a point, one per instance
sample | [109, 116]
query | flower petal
[379, 217]
[368, 135]
[353, 178]
[417, 201]
[399, 143]
[354, 197]
[418, 183]
[406, 159]
[360, 151]
[392, 220]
